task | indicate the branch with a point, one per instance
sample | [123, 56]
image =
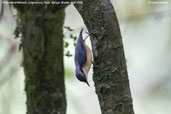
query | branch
[110, 72]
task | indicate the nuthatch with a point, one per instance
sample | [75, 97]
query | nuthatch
[83, 59]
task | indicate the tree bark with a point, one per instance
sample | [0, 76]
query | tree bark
[110, 71]
[42, 40]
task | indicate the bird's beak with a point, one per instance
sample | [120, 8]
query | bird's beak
[81, 30]
[87, 83]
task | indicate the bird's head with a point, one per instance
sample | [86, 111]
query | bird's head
[81, 76]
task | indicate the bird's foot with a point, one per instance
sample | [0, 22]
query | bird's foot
[89, 34]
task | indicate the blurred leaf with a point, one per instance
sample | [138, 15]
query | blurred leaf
[17, 32]
[68, 54]
[74, 43]
[66, 44]
[68, 28]
[75, 38]
[71, 36]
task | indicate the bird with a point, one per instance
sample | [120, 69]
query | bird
[83, 59]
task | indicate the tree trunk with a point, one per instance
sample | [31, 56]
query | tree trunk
[110, 71]
[42, 41]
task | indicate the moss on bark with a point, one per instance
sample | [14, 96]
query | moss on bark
[42, 41]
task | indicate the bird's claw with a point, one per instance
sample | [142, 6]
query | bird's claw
[92, 32]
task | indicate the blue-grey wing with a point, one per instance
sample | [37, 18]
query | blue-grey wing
[80, 53]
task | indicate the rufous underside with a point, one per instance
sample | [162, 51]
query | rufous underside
[88, 63]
